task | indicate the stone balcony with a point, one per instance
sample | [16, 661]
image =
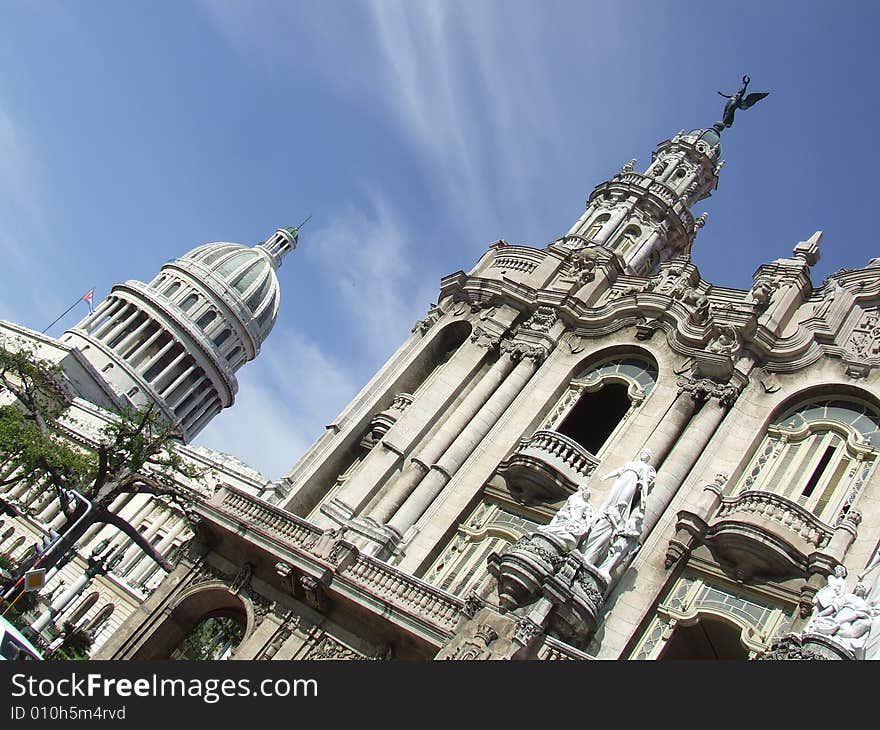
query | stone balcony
[546, 466]
[761, 534]
[331, 568]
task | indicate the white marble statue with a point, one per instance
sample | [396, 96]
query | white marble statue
[625, 543]
[851, 622]
[633, 481]
[573, 519]
[827, 599]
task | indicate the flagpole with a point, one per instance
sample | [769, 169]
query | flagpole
[65, 312]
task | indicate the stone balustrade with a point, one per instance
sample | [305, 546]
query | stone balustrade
[778, 509]
[547, 465]
[267, 517]
[429, 604]
[406, 592]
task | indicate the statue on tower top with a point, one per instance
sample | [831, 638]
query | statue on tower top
[739, 100]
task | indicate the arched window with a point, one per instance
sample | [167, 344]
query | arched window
[703, 618]
[233, 355]
[222, 337]
[206, 319]
[83, 608]
[625, 244]
[173, 287]
[600, 398]
[818, 455]
[188, 303]
[596, 226]
[101, 618]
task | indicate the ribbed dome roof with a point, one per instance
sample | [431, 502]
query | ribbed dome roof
[243, 274]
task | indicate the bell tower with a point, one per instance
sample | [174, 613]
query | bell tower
[645, 218]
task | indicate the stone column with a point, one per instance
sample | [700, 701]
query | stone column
[671, 426]
[131, 340]
[380, 462]
[687, 449]
[139, 574]
[125, 318]
[419, 465]
[644, 253]
[135, 356]
[612, 225]
[453, 457]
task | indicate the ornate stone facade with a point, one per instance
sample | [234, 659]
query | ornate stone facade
[414, 527]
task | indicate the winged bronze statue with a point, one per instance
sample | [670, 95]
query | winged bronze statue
[739, 100]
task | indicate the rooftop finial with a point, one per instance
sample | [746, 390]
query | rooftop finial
[737, 101]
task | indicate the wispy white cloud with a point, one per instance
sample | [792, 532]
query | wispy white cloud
[473, 94]
[369, 258]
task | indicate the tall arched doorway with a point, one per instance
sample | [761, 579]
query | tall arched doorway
[208, 622]
[709, 637]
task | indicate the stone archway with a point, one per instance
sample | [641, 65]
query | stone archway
[193, 608]
[709, 637]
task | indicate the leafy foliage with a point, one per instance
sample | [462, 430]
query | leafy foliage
[135, 451]
[76, 643]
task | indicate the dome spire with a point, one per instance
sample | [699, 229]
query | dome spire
[282, 242]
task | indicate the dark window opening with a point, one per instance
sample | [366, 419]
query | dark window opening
[819, 471]
[596, 415]
[706, 639]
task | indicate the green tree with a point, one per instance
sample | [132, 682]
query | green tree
[135, 453]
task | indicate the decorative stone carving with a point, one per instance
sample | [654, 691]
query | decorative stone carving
[702, 309]
[478, 647]
[629, 166]
[793, 647]
[526, 631]
[582, 264]
[472, 604]
[572, 520]
[827, 599]
[864, 342]
[629, 492]
[762, 291]
[541, 320]
[575, 558]
[846, 618]
[725, 342]
[423, 325]
[330, 648]
[700, 221]
[521, 350]
[314, 592]
[831, 289]
[703, 389]
[482, 338]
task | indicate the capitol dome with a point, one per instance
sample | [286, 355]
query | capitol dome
[179, 340]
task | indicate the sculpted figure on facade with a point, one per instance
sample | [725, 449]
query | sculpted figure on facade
[625, 543]
[572, 520]
[827, 599]
[628, 493]
[848, 618]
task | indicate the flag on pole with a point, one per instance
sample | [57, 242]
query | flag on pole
[88, 296]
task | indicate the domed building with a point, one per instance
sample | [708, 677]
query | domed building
[178, 341]
[584, 450]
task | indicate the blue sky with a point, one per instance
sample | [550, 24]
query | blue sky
[415, 133]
